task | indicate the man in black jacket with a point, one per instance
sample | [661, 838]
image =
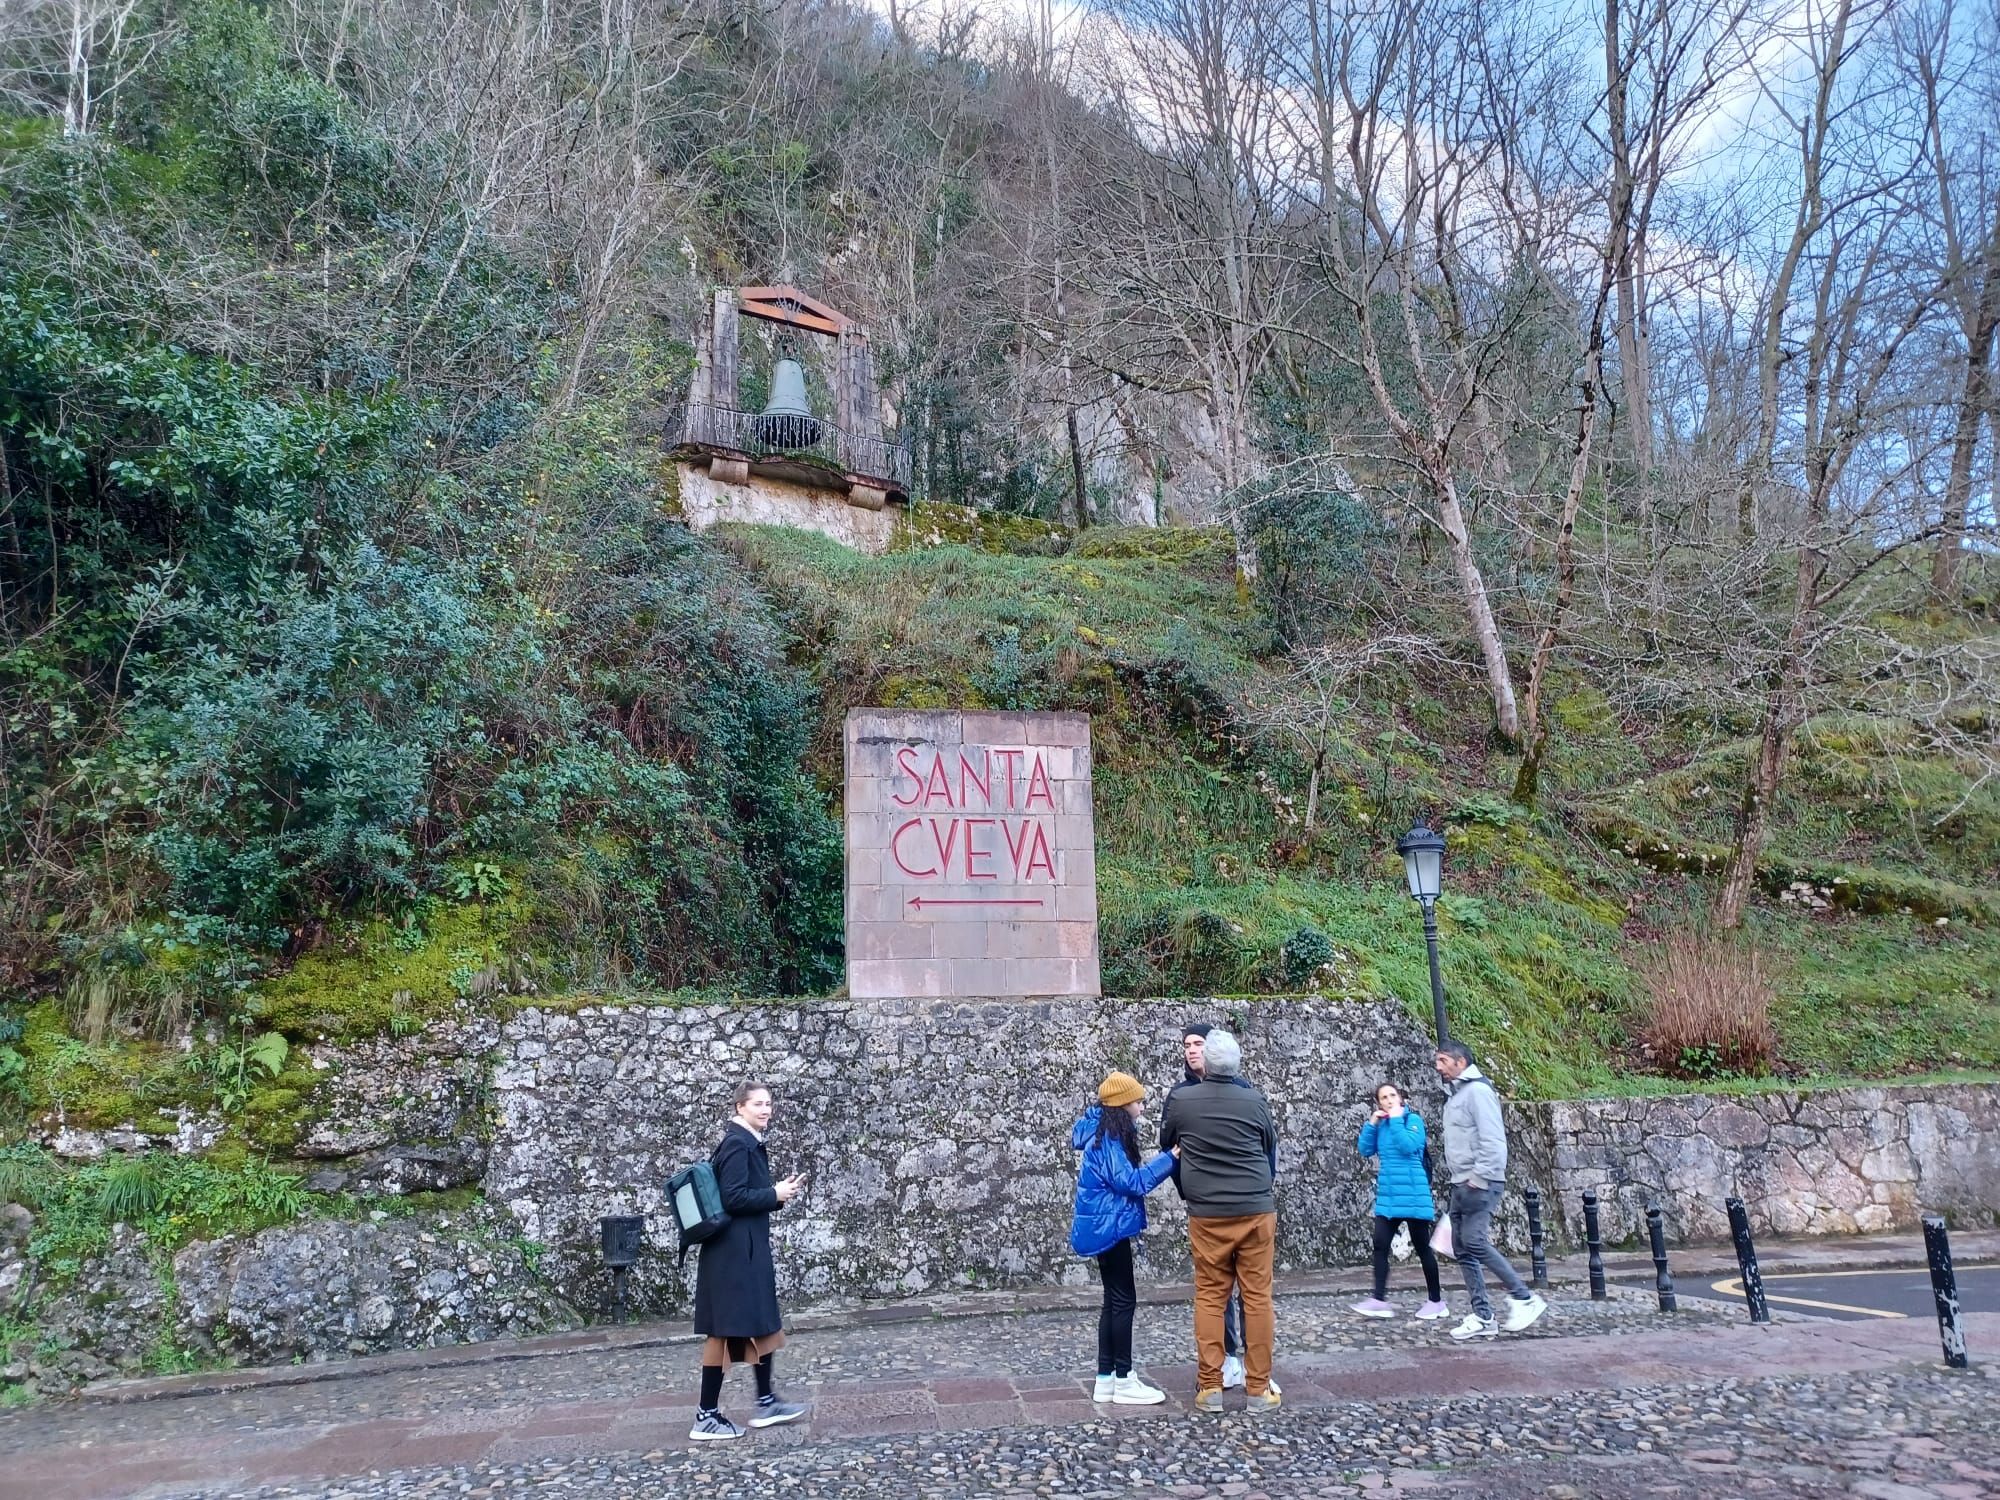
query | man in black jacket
[1228, 1154]
[1192, 1037]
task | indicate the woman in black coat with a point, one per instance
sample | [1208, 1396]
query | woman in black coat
[736, 1290]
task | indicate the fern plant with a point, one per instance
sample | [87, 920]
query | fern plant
[234, 1066]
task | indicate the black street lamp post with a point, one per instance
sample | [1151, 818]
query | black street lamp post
[1422, 849]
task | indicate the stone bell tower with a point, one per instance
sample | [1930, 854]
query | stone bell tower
[788, 465]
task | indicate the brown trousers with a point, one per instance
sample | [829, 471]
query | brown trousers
[1240, 1250]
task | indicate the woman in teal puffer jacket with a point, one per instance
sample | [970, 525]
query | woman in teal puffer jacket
[1110, 1212]
[1394, 1136]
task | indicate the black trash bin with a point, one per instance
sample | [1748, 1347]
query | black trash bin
[621, 1235]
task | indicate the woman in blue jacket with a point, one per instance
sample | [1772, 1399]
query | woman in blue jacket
[1111, 1193]
[1394, 1136]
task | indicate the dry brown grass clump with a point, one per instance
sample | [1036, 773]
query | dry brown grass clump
[1708, 1007]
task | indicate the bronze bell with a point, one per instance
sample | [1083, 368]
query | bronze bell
[787, 420]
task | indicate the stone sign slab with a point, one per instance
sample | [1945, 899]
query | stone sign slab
[971, 857]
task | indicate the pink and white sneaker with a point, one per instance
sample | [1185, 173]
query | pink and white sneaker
[1433, 1310]
[1374, 1307]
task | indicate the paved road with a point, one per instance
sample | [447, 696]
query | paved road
[1854, 1295]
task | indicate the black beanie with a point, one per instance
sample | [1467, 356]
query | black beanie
[1196, 1028]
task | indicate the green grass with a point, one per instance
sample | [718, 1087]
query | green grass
[170, 1199]
[954, 626]
[122, 1080]
[1205, 871]
[1538, 988]
[1885, 996]
[1859, 792]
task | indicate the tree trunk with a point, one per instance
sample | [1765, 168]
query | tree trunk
[1076, 472]
[1627, 255]
[1535, 727]
[76, 96]
[1972, 408]
[1752, 818]
[1760, 790]
[1485, 629]
[1805, 225]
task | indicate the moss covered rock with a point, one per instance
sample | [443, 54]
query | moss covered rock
[930, 525]
[377, 978]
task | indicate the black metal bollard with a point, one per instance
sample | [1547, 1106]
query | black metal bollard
[1944, 1288]
[1538, 1258]
[1593, 1242]
[1663, 1279]
[1746, 1258]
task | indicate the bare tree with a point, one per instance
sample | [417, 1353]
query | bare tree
[1406, 138]
[71, 57]
[1959, 118]
[1041, 221]
[1663, 67]
[1823, 37]
[1311, 703]
[1872, 289]
[1190, 267]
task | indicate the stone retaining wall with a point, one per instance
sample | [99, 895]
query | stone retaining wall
[936, 1132]
[937, 1136]
[1814, 1162]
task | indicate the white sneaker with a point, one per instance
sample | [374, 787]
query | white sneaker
[1475, 1327]
[1522, 1311]
[1130, 1390]
[1232, 1372]
[1106, 1388]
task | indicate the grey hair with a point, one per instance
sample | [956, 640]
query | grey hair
[1221, 1057]
[1452, 1047]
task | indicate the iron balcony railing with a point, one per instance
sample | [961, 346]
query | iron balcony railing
[805, 439]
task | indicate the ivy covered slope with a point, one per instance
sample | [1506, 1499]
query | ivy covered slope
[352, 670]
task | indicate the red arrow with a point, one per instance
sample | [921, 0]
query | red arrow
[920, 902]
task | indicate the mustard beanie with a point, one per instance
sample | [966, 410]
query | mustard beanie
[1119, 1090]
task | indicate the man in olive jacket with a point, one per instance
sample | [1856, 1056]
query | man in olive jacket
[1229, 1150]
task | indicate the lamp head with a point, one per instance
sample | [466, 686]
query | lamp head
[1422, 849]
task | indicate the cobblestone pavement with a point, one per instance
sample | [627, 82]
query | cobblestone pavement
[1023, 1346]
[1885, 1437]
[1601, 1400]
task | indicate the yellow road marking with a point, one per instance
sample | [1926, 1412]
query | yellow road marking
[1734, 1287]
[1878, 1271]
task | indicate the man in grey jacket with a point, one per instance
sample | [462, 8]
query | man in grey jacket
[1475, 1156]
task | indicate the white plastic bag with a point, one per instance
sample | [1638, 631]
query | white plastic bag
[1441, 1236]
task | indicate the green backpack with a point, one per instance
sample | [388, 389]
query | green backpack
[696, 1203]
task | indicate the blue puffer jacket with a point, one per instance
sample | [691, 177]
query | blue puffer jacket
[1402, 1191]
[1110, 1191]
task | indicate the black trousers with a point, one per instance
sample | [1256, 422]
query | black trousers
[1114, 1319]
[1420, 1241]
